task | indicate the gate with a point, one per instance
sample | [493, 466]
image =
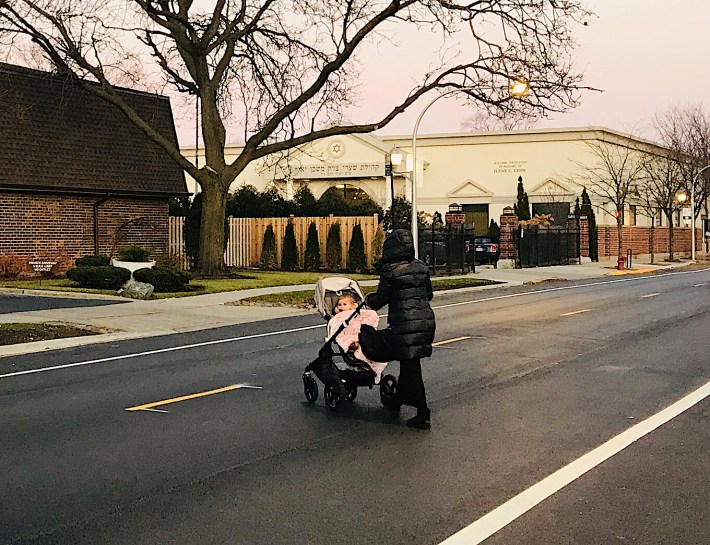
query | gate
[546, 246]
[448, 249]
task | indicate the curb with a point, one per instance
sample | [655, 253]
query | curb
[66, 294]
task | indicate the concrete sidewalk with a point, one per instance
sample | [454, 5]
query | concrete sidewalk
[138, 319]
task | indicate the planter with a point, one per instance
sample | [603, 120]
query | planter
[132, 266]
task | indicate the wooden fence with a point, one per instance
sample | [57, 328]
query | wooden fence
[246, 236]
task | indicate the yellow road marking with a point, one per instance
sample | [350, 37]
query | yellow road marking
[447, 341]
[650, 295]
[186, 397]
[576, 312]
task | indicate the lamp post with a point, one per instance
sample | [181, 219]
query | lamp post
[517, 88]
[394, 159]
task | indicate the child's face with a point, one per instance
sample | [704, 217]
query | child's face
[345, 304]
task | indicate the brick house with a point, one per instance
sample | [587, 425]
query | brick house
[76, 176]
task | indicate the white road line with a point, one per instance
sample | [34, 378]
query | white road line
[650, 295]
[320, 326]
[560, 288]
[162, 350]
[702, 284]
[155, 410]
[514, 508]
[576, 312]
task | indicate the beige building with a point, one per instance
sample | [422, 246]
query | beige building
[478, 171]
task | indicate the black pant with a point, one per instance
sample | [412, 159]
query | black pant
[410, 386]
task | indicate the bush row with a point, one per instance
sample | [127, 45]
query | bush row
[290, 258]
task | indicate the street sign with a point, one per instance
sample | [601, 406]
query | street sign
[42, 266]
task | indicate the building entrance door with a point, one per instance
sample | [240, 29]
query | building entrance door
[477, 214]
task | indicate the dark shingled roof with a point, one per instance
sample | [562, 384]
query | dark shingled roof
[56, 137]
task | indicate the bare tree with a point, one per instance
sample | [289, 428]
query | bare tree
[284, 70]
[685, 131]
[662, 179]
[616, 167]
[484, 121]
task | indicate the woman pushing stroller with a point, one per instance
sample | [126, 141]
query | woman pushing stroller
[405, 286]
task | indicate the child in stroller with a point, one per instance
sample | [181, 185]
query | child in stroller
[347, 339]
[341, 370]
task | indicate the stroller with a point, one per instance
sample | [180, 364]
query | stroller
[340, 371]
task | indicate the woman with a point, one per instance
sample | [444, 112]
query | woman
[405, 286]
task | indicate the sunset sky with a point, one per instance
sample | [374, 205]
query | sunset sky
[645, 55]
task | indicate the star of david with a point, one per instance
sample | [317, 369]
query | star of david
[335, 148]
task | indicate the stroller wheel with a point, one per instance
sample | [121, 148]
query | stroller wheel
[310, 388]
[388, 392]
[334, 393]
[350, 393]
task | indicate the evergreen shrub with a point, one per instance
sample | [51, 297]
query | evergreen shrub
[333, 248]
[104, 277]
[377, 244]
[133, 253]
[356, 252]
[93, 261]
[289, 250]
[163, 279]
[311, 258]
[268, 259]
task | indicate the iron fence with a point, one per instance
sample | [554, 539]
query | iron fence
[546, 246]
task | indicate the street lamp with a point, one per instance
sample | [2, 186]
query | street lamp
[394, 159]
[518, 89]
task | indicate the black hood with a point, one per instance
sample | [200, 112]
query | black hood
[398, 246]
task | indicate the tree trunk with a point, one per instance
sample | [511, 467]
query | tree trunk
[670, 240]
[215, 189]
[210, 259]
[653, 225]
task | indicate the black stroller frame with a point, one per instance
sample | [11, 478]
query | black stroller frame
[341, 384]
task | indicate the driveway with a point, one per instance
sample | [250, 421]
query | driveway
[10, 303]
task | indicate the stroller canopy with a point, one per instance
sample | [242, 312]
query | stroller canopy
[329, 289]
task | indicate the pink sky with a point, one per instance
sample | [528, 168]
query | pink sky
[645, 54]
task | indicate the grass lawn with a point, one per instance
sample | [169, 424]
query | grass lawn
[257, 279]
[304, 299]
[25, 333]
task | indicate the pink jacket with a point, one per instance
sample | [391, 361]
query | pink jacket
[350, 334]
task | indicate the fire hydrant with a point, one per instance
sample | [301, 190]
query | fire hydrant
[621, 262]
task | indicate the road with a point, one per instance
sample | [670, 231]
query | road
[10, 303]
[538, 378]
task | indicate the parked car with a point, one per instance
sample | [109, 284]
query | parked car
[487, 251]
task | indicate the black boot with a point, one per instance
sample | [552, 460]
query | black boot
[422, 421]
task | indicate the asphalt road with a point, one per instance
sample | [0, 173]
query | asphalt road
[10, 303]
[542, 379]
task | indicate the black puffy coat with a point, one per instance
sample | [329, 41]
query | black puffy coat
[405, 286]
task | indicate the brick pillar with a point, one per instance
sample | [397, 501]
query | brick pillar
[584, 236]
[508, 249]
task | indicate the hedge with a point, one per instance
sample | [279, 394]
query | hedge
[163, 279]
[105, 277]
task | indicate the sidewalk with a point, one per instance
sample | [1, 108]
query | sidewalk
[139, 319]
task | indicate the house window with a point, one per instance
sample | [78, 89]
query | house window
[632, 214]
[659, 218]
